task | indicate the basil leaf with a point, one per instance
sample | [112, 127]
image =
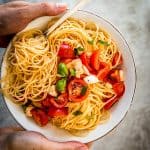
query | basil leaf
[63, 70]
[72, 72]
[84, 89]
[78, 51]
[61, 85]
[24, 106]
[103, 42]
[76, 113]
[91, 42]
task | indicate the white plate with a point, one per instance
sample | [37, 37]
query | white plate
[117, 112]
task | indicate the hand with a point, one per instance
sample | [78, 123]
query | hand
[14, 16]
[17, 139]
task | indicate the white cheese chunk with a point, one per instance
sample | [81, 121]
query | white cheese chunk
[91, 79]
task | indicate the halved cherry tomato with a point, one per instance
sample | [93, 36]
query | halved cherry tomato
[115, 59]
[78, 91]
[103, 72]
[60, 101]
[46, 102]
[39, 116]
[66, 61]
[86, 61]
[66, 51]
[57, 112]
[95, 61]
[114, 76]
[119, 88]
[110, 102]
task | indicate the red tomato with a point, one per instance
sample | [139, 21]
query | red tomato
[119, 88]
[85, 60]
[110, 102]
[115, 59]
[66, 51]
[39, 116]
[103, 72]
[95, 61]
[75, 89]
[56, 112]
[60, 101]
[114, 76]
[66, 61]
[46, 102]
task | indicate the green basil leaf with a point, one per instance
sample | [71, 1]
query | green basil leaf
[103, 42]
[63, 70]
[78, 51]
[76, 113]
[84, 89]
[61, 85]
[91, 42]
[72, 72]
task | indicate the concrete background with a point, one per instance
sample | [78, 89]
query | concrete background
[132, 18]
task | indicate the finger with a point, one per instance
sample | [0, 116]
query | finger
[71, 146]
[33, 140]
[10, 129]
[16, 3]
[45, 9]
[89, 145]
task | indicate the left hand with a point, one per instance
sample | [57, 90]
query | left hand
[14, 16]
[17, 139]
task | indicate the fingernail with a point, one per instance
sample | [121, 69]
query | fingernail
[61, 5]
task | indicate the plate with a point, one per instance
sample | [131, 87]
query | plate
[118, 111]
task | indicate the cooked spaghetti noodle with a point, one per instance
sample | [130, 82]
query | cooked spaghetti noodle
[32, 71]
[31, 67]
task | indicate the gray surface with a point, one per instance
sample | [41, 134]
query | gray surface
[131, 17]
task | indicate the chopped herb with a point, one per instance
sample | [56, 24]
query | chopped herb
[24, 106]
[78, 51]
[91, 42]
[103, 42]
[61, 85]
[62, 70]
[84, 89]
[76, 113]
[72, 72]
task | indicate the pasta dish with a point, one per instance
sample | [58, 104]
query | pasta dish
[70, 78]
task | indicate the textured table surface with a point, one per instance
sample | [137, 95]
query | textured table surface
[132, 18]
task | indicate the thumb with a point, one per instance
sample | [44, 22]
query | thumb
[46, 9]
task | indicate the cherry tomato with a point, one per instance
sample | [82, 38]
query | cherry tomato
[119, 88]
[115, 59]
[86, 61]
[66, 51]
[110, 102]
[95, 61]
[78, 90]
[39, 116]
[56, 112]
[46, 102]
[66, 61]
[114, 76]
[103, 72]
[60, 101]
